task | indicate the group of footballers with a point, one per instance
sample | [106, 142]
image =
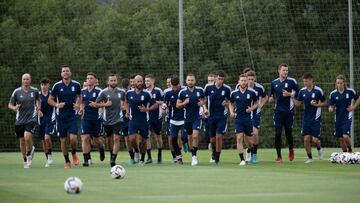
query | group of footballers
[136, 109]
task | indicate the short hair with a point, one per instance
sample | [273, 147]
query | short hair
[282, 65]
[250, 73]
[125, 83]
[133, 76]
[65, 66]
[243, 75]
[91, 73]
[246, 70]
[190, 74]
[111, 75]
[308, 76]
[220, 73]
[211, 75]
[151, 76]
[44, 80]
[175, 80]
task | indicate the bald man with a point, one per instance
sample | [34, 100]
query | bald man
[25, 102]
[138, 103]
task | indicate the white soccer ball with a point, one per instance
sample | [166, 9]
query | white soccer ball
[334, 157]
[117, 172]
[344, 158]
[73, 185]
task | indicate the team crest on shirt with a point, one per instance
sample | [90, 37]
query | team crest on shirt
[142, 98]
[94, 94]
[73, 88]
[32, 94]
[222, 93]
[286, 85]
[198, 94]
[347, 96]
[247, 96]
[154, 95]
[313, 95]
[119, 95]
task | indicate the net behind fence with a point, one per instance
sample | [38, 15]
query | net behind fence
[141, 36]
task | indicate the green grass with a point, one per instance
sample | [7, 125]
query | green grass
[226, 182]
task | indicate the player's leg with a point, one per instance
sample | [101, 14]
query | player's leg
[240, 147]
[346, 128]
[307, 145]
[316, 128]
[278, 131]
[109, 138]
[255, 135]
[221, 128]
[116, 128]
[248, 134]
[148, 144]
[159, 140]
[73, 129]
[41, 136]
[288, 123]
[97, 138]
[85, 145]
[19, 131]
[347, 142]
[144, 135]
[338, 133]
[48, 146]
[174, 131]
[196, 126]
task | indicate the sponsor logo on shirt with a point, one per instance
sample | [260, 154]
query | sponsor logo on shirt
[286, 85]
[222, 93]
[73, 88]
[247, 96]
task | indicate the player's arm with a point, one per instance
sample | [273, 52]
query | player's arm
[14, 107]
[264, 99]
[181, 104]
[38, 107]
[52, 102]
[231, 110]
[295, 101]
[271, 93]
[127, 108]
[355, 105]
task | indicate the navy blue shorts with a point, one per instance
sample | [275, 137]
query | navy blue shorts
[91, 127]
[244, 126]
[167, 124]
[141, 128]
[174, 130]
[194, 125]
[256, 120]
[206, 127]
[155, 126]
[45, 127]
[64, 126]
[311, 128]
[217, 125]
[342, 128]
[285, 119]
[124, 128]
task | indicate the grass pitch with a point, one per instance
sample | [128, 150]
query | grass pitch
[266, 181]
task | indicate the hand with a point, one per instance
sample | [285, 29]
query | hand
[271, 99]
[92, 104]
[232, 115]
[331, 109]
[164, 106]
[159, 102]
[350, 108]
[248, 109]
[17, 107]
[186, 101]
[127, 115]
[200, 103]
[76, 107]
[142, 108]
[60, 105]
[225, 103]
[206, 112]
[108, 103]
[313, 103]
[286, 93]
[40, 114]
[80, 112]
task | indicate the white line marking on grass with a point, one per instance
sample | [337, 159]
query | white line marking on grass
[216, 196]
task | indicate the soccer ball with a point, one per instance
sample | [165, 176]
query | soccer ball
[117, 172]
[334, 157]
[73, 185]
[344, 158]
